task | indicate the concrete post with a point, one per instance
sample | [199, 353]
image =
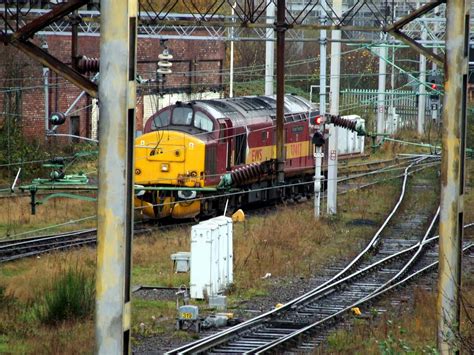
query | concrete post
[269, 49]
[117, 95]
[452, 174]
[422, 91]
[381, 105]
[334, 110]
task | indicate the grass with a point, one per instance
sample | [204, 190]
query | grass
[17, 217]
[70, 297]
[152, 317]
[408, 330]
[42, 320]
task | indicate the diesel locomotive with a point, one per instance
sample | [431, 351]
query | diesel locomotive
[195, 157]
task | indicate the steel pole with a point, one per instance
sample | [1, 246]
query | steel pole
[117, 94]
[335, 80]
[46, 101]
[422, 91]
[322, 60]
[280, 90]
[74, 37]
[231, 79]
[318, 156]
[452, 175]
[269, 49]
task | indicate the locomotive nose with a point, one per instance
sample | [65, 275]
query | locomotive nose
[168, 157]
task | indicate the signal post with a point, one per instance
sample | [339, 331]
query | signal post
[318, 142]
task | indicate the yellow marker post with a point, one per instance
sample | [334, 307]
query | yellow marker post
[238, 216]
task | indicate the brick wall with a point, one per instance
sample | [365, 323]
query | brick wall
[204, 58]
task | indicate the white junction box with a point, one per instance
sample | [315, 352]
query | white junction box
[211, 257]
[181, 261]
[226, 249]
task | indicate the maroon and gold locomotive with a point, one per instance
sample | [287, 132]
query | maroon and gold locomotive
[190, 150]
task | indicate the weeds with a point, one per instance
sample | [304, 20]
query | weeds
[71, 297]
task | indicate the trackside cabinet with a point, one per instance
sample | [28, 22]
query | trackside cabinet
[226, 257]
[204, 276]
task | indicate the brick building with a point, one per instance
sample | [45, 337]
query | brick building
[197, 67]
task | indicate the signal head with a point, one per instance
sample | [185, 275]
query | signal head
[316, 120]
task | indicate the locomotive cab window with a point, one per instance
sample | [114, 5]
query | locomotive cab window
[182, 116]
[162, 120]
[203, 122]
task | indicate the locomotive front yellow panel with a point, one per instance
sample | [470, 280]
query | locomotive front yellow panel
[169, 158]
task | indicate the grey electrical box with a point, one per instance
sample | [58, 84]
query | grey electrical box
[218, 302]
[188, 312]
[181, 261]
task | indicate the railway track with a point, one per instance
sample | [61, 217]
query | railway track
[389, 256]
[33, 246]
[11, 250]
[306, 339]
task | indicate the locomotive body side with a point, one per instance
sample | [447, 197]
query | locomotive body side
[192, 145]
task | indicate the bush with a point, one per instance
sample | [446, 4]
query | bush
[71, 297]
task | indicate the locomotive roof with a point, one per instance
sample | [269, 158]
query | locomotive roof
[241, 109]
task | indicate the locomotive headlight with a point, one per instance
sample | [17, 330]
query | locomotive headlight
[165, 167]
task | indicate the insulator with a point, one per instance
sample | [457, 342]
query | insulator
[163, 71]
[164, 64]
[56, 175]
[166, 55]
[57, 118]
[88, 65]
[338, 121]
[252, 172]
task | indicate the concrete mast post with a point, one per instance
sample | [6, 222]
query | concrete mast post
[422, 90]
[451, 221]
[381, 105]
[117, 95]
[269, 49]
[334, 82]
